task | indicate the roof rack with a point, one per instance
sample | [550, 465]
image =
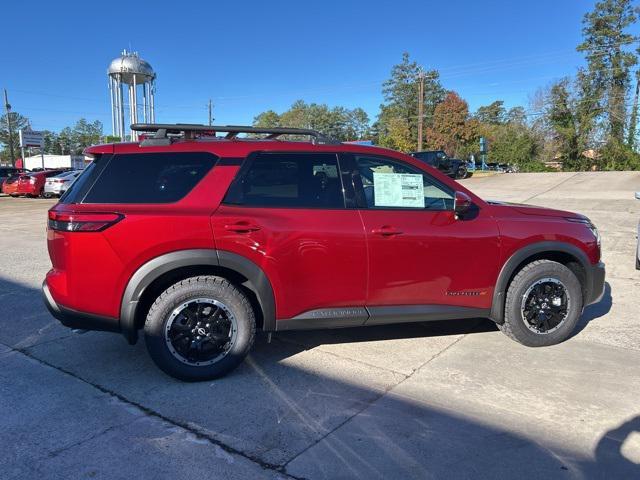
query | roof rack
[188, 130]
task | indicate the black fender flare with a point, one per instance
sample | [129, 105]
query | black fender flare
[154, 268]
[509, 267]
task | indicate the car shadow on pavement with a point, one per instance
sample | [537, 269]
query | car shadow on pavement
[289, 409]
[609, 455]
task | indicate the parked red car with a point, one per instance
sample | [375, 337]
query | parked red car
[32, 184]
[10, 185]
[200, 240]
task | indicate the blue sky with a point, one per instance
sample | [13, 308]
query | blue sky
[252, 56]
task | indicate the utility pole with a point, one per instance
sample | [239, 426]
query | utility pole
[420, 107]
[210, 112]
[633, 121]
[7, 109]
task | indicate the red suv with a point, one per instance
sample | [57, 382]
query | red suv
[200, 239]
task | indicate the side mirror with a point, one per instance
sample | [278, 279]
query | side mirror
[461, 203]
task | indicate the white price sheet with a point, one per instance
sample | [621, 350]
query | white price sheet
[398, 190]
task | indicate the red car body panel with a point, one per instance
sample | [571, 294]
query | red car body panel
[300, 251]
[433, 261]
[10, 188]
[312, 258]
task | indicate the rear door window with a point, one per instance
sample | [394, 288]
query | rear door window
[289, 180]
[148, 177]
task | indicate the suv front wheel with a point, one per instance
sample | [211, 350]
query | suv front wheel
[461, 173]
[544, 303]
[200, 328]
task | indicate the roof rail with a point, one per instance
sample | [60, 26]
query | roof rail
[188, 129]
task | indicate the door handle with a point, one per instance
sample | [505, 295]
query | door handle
[386, 231]
[241, 227]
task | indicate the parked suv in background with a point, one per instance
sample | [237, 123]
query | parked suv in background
[451, 167]
[200, 240]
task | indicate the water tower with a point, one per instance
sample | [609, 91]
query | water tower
[131, 74]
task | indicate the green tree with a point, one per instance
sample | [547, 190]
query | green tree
[357, 125]
[515, 143]
[18, 122]
[615, 155]
[398, 135]
[516, 115]
[570, 114]
[493, 114]
[268, 119]
[85, 134]
[51, 144]
[561, 114]
[400, 94]
[338, 122]
[66, 142]
[605, 45]
[633, 119]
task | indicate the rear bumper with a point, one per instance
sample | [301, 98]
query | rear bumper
[74, 319]
[596, 285]
[55, 189]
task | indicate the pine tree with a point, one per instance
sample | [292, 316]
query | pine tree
[606, 46]
[400, 107]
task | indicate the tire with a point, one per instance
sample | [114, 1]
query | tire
[461, 173]
[162, 319]
[547, 274]
[47, 195]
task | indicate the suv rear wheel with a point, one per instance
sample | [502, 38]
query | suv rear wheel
[544, 303]
[200, 328]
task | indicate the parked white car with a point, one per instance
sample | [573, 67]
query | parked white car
[58, 184]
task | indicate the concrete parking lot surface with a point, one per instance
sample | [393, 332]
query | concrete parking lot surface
[431, 400]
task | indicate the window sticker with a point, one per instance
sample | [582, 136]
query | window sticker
[398, 190]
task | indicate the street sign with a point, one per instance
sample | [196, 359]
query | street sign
[31, 138]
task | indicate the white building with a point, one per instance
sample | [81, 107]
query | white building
[76, 162]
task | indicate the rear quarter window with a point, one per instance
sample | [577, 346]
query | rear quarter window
[149, 177]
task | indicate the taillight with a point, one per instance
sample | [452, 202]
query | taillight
[82, 222]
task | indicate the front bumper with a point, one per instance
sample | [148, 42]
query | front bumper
[80, 320]
[595, 290]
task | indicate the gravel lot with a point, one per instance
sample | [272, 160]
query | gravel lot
[432, 400]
